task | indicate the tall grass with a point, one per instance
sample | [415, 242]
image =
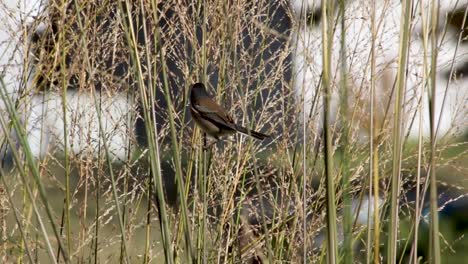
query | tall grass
[327, 36]
[397, 132]
[434, 250]
[330, 185]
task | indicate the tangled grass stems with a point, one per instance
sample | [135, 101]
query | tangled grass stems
[240, 200]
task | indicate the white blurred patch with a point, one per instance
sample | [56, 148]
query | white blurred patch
[363, 209]
[16, 17]
[44, 122]
[42, 114]
[302, 7]
[307, 63]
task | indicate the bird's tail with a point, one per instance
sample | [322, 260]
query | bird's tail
[252, 133]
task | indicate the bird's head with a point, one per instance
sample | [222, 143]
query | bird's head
[197, 92]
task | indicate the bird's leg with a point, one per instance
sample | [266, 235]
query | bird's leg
[206, 146]
[204, 141]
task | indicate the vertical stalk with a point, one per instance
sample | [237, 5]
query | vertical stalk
[374, 153]
[347, 218]
[65, 138]
[98, 192]
[303, 19]
[417, 214]
[146, 257]
[151, 71]
[397, 130]
[204, 162]
[434, 250]
[203, 190]
[327, 36]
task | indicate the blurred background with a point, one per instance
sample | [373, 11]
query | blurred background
[94, 116]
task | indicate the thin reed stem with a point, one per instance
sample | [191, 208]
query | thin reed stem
[344, 143]
[397, 130]
[327, 36]
[434, 250]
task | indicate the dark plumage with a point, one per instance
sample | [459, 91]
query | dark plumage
[212, 118]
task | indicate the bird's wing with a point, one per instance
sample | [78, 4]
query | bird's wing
[215, 113]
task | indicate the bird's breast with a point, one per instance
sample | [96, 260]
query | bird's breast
[206, 125]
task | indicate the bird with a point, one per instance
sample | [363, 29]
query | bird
[212, 118]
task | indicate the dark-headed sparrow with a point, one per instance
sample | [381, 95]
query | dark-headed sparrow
[212, 118]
